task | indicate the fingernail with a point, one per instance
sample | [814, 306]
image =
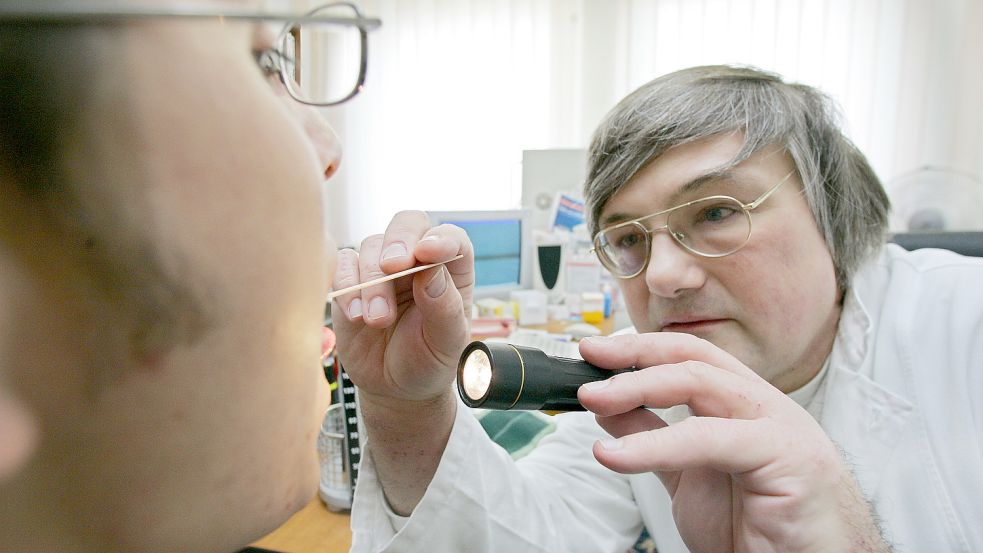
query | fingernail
[430, 238]
[596, 339]
[355, 309]
[437, 284]
[394, 250]
[378, 308]
[596, 385]
[612, 445]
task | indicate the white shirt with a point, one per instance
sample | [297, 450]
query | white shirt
[901, 394]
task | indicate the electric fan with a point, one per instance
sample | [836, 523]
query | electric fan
[935, 199]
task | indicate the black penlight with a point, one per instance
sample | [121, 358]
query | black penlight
[497, 375]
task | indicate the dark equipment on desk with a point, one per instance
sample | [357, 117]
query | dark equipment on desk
[496, 375]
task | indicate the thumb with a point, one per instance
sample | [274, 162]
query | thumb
[445, 326]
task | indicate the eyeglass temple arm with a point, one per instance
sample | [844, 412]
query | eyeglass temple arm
[765, 196]
[71, 12]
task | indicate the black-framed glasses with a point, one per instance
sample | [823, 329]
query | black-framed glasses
[715, 226]
[320, 56]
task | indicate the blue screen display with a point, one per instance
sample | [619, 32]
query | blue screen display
[497, 250]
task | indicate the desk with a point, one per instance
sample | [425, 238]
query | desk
[313, 529]
[607, 326]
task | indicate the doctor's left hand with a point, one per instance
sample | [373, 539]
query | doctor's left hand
[400, 340]
[749, 471]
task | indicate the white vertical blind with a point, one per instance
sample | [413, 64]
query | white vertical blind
[458, 88]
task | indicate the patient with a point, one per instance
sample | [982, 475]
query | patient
[162, 281]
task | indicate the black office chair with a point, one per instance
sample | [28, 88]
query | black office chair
[965, 243]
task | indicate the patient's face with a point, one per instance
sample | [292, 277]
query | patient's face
[214, 444]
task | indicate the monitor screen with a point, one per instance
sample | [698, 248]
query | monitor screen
[501, 243]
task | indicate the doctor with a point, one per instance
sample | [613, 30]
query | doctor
[828, 384]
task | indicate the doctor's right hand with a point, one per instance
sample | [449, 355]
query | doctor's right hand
[749, 471]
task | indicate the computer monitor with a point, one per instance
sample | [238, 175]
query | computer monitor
[502, 241]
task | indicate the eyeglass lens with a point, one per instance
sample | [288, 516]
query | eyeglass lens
[323, 61]
[711, 227]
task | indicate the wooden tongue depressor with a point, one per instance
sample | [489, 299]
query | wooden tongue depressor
[387, 278]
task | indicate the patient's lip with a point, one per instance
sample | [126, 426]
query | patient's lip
[328, 342]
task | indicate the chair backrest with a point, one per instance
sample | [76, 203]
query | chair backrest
[965, 243]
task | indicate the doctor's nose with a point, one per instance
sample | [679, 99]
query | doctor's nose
[672, 269]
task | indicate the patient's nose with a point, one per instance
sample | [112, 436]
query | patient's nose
[325, 141]
[319, 132]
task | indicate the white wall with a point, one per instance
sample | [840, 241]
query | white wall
[457, 89]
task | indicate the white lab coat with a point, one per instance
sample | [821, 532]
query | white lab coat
[902, 397]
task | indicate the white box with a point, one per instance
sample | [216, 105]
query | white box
[492, 307]
[531, 306]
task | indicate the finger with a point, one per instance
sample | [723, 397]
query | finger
[444, 297]
[727, 445]
[378, 301]
[632, 422]
[404, 231]
[656, 348]
[444, 325]
[347, 274]
[444, 242]
[708, 390]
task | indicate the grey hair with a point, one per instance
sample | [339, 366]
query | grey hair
[846, 197]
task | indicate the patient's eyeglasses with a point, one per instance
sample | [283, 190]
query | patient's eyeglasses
[714, 226]
[320, 57]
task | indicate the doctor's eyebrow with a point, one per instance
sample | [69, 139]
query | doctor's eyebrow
[688, 188]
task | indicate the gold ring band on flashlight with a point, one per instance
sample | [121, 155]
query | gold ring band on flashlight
[497, 375]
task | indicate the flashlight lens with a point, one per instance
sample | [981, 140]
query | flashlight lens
[476, 375]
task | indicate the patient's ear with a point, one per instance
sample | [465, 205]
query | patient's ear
[18, 433]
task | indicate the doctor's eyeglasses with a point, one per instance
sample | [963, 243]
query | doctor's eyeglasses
[321, 56]
[715, 226]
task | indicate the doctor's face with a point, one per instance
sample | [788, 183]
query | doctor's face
[774, 303]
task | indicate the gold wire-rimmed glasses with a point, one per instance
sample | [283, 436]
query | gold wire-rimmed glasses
[715, 226]
[338, 30]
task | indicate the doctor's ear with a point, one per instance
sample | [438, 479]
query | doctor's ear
[18, 433]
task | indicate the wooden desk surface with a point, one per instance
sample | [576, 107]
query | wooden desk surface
[606, 326]
[313, 529]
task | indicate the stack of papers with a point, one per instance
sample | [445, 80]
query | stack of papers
[557, 345]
